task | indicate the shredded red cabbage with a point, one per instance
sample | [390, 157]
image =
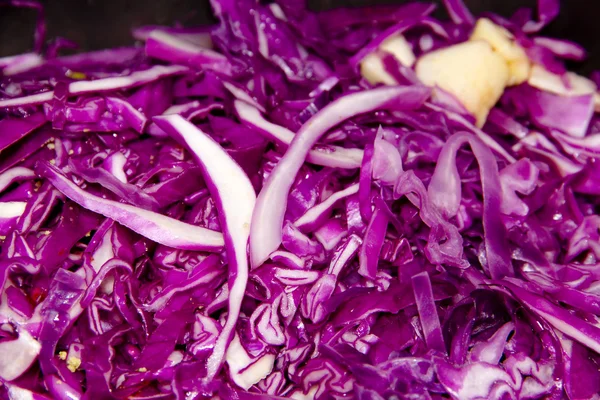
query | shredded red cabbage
[357, 203]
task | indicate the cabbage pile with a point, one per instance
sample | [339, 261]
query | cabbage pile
[358, 203]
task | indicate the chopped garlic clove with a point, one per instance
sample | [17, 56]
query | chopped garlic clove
[399, 47]
[471, 71]
[502, 41]
[518, 71]
[372, 68]
[73, 363]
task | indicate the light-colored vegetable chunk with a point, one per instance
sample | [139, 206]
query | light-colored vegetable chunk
[471, 71]
[503, 43]
[372, 68]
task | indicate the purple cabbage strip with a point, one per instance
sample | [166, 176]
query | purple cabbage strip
[571, 115]
[584, 332]
[547, 10]
[372, 243]
[235, 199]
[15, 129]
[167, 47]
[162, 229]
[458, 12]
[265, 234]
[196, 35]
[137, 78]
[327, 156]
[316, 215]
[445, 192]
[427, 312]
[562, 48]
[18, 355]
